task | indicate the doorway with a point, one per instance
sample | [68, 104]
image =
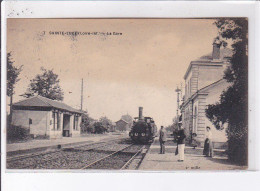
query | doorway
[66, 125]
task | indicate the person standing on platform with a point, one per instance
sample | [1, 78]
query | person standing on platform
[208, 145]
[181, 142]
[162, 140]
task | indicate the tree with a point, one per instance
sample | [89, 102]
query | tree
[13, 73]
[107, 123]
[174, 126]
[100, 128]
[46, 85]
[86, 125]
[233, 105]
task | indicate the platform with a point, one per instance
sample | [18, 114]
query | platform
[194, 160]
[33, 145]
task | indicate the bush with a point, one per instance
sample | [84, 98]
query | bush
[99, 128]
[238, 145]
[90, 129]
[17, 133]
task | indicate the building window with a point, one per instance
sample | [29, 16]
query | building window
[190, 88]
[195, 120]
[76, 121]
[188, 93]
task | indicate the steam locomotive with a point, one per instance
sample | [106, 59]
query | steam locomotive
[143, 129]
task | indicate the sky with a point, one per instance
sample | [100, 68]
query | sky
[141, 67]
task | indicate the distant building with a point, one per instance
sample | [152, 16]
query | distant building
[204, 84]
[122, 125]
[46, 117]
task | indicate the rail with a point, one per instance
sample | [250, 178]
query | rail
[91, 164]
[132, 158]
[32, 155]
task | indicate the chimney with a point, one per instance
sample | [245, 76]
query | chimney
[216, 49]
[140, 113]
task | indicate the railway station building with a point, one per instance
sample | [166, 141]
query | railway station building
[46, 117]
[122, 125]
[204, 84]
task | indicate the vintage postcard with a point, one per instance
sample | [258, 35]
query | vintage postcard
[127, 94]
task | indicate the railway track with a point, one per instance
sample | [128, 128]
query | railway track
[134, 157]
[121, 159]
[24, 156]
[112, 154]
[34, 160]
[50, 159]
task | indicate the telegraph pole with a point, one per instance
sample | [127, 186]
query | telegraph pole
[181, 93]
[81, 101]
[178, 90]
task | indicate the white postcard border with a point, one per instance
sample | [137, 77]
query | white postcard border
[146, 9]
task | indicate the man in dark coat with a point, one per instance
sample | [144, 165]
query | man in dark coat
[162, 140]
[181, 142]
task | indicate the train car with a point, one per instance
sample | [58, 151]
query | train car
[143, 129]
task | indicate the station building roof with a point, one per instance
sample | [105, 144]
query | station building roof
[225, 54]
[121, 120]
[43, 102]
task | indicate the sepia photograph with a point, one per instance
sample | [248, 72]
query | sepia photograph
[127, 94]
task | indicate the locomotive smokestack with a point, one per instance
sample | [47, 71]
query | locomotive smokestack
[140, 113]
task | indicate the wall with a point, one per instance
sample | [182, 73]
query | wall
[191, 87]
[200, 76]
[121, 125]
[195, 117]
[75, 133]
[194, 79]
[191, 81]
[187, 119]
[187, 86]
[212, 98]
[55, 133]
[39, 124]
[43, 123]
[202, 102]
[209, 74]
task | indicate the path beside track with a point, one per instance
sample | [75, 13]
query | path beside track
[194, 159]
[40, 145]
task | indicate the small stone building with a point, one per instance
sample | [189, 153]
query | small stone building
[46, 117]
[121, 125]
[204, 84]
